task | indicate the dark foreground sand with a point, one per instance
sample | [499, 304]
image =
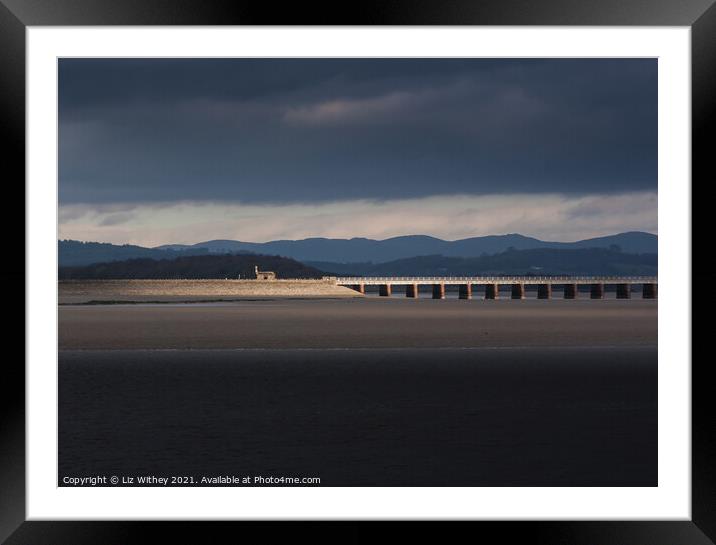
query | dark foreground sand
[401, 417]
[360, 323]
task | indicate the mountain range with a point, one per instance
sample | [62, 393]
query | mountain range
[354, 250]
[540, 261]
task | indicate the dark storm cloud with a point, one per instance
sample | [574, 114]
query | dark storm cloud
[305, 130]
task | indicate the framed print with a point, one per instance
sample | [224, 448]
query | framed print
[427, 264]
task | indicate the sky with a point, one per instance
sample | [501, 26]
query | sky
[158, 151]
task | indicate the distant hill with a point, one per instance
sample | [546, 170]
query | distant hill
[199, 266]
[543, 261]
[539, 261]
[356, 250]
[75, 253]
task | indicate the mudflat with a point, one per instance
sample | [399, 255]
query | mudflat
[360, 323]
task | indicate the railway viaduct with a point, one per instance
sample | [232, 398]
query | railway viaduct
[597, 284]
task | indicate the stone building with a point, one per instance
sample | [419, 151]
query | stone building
[264, 275]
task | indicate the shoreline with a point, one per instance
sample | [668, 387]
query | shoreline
[386, 350]
[213, 302]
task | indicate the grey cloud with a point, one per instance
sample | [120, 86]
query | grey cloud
[311, 130]
[547, 216]
[116, 219]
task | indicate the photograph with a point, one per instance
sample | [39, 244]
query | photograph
[414, 262]
[357, 271]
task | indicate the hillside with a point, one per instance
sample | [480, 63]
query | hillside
[76, 253]
[354, 250]
[201, 266]
[357, 250]
[591, 261]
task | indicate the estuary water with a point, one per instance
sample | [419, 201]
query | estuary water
[364, 417]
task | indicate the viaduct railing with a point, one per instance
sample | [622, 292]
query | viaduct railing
[448, 280]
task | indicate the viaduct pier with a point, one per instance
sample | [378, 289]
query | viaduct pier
[597, 285]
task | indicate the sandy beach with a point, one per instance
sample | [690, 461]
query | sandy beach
[359, 323]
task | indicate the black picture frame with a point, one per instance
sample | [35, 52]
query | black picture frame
[16, 15]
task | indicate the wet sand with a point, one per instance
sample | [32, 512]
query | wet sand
[360, 323]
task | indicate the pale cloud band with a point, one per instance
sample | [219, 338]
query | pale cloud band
[554, 217]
